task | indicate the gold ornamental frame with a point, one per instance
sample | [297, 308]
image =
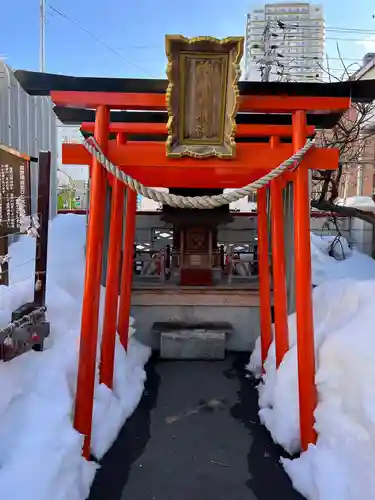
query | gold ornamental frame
[203, 74]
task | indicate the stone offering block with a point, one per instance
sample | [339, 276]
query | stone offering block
[192, 344]
[202, 95]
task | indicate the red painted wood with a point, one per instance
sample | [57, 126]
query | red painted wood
[304, 308]
[148, 101]
[243, 130]
[127, 267]
[90, 308]
[113, 280]
[264, 275]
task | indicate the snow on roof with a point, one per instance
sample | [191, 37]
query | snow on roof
[361, 202]
[363, 70]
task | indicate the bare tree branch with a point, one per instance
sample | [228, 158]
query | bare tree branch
[327, 206]
[351, 136]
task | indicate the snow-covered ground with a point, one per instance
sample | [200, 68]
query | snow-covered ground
[341, 465]
[40, 452]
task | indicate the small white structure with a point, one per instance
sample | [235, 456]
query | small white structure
[70, 134]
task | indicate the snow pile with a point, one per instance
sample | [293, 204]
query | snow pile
[350, 264]
[341, 464]
[40, 452]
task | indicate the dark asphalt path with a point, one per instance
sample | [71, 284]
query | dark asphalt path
[195, 436]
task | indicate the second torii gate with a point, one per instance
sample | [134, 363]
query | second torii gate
[148, 162]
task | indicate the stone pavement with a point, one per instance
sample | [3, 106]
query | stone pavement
[195, 436]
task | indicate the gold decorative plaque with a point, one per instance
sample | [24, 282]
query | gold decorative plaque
[202, 95]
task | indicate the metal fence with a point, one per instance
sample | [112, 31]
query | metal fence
[28, 124]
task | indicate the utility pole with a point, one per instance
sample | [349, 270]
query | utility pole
[270, 52]
[42, 48]
[267, 63]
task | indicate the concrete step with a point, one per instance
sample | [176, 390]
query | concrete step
[193, 343]
[147, 279]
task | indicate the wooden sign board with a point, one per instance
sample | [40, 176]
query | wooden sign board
[14, 184]
[202, 95]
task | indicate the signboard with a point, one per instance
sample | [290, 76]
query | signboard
[14, 186]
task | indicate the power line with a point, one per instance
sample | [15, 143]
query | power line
[278, 25]
[301, 56]
[340, 30]
[297, 24]
[97, 39]
[302, 37]
[293, 55]
[316, 58]
[310, 37]
[312, 70]
[140, 47]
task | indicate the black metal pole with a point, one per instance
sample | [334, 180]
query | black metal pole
[42, 240]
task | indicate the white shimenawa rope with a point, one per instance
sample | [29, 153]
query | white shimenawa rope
[194, 202]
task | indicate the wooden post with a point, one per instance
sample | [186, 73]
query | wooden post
[127, 266]
[41, 251]
[113, 279]
[278, 266]
[90, 308]
[182, 249]
[42, 240]
[264, 275]
[210, 263]
[304, 309]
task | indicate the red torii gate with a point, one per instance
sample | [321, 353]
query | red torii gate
[147, 162]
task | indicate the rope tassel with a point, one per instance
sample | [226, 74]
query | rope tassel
[200, 202]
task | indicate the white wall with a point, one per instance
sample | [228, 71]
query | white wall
[70, 134]
[369, 75]
[358, 233]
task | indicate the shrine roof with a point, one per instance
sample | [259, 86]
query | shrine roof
[35, 83]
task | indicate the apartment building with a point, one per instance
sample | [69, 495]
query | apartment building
[289, 38]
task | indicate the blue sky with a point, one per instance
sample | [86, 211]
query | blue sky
[136, 29]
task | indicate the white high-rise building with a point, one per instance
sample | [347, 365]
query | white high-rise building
[288, 38]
